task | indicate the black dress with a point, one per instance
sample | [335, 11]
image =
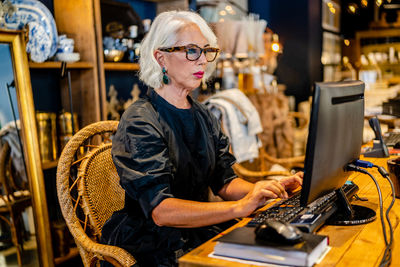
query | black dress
[161, 151]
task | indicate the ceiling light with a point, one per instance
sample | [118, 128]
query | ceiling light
[228, 8]
[352, 8]
[364, 3]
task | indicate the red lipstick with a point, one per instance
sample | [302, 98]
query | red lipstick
[199, 74]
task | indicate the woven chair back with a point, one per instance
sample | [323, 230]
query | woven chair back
[99, 186]
[88, 191]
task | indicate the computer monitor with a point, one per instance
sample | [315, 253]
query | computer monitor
[334, 139]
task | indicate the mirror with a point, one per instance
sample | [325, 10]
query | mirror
[16, 102]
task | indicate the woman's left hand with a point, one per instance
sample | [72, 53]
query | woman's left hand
[292, 182]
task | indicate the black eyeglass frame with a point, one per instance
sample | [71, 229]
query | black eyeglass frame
[189, 46]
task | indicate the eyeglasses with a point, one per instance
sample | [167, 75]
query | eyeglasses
[193, 52]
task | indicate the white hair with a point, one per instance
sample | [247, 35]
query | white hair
[164, 33]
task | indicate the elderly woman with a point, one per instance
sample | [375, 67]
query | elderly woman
[169, 150]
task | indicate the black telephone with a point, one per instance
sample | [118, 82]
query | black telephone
[379, 149]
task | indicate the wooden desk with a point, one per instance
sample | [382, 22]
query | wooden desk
[359, 245]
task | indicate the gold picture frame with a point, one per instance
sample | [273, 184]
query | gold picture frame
[16, 41]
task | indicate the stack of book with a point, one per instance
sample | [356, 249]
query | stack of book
[241, 243]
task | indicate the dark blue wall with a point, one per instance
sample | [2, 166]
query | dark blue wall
[49, 4]
[298, 24]
[145, 10]
[46, 83]
[46, 89]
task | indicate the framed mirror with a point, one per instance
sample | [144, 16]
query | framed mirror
[16, 103]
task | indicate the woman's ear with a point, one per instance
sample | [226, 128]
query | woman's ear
[160, 57]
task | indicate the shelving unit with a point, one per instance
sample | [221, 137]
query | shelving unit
[49, 164]
[76, 19]
[380, 40]
[81, 20]
[383, 35]
[121, 66]
[106, 66]
[57, 65]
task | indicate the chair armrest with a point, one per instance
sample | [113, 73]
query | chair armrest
[283, 161]
[303, 119]
[120, 255]
[113, 254]
[245, 173]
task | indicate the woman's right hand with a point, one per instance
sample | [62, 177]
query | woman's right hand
[262, 191]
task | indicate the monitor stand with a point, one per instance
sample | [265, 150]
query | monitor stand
[348, 214]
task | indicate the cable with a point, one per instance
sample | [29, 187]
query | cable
[386, 257]
[388, 249]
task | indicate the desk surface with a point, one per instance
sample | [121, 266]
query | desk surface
[359, 245]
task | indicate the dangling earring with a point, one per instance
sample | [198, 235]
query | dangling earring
[165, 78]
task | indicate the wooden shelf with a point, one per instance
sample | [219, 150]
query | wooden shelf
[57, 65]
[49, 164]
[121, 66]
[387, 64]
[73, 252]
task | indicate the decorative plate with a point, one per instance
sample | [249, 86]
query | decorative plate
[42, 42]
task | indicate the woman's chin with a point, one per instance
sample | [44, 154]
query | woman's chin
[190, 84]
[193, 86]
[197, 84]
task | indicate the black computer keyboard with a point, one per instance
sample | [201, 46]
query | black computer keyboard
[308, 219]
[391, 138]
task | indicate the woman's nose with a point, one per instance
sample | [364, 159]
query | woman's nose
[202, 59]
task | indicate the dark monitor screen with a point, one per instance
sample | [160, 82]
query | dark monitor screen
[335, 137]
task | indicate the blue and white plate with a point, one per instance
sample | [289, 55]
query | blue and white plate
[42, 28]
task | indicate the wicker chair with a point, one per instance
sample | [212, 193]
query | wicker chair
[14, 200]
[89, 192]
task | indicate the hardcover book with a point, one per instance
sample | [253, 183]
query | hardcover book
[241, 243]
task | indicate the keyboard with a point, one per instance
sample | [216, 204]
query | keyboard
[391, 138]
[309, 219]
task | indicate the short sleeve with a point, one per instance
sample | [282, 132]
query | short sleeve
[223, 173]
[141, 158]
